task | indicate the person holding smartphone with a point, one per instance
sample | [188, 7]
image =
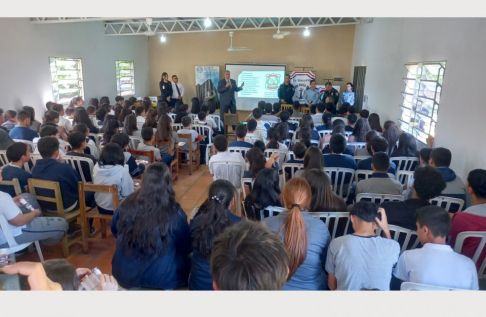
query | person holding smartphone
[363, 260]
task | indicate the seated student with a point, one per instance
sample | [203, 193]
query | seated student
[22, 131]
[63, 122]
[10, 119]
[214, 217]
[248, 256]
[335, 125]
[17, 154]
[92, 115]
[320, 109]
[256, 162]
[29, 225]
[135, 167]
[306, 238]
[308, 123]
[343, 110]
[299, 150]
[336, 158]
[312, 159]
[210, 121]
[378, 144]
[428, 183]
[276, 108]
[150, 118]
[81, 116]
[5, 140]
[148, 145]
[131, 126]
[476, 187]
[323, 198]
[50, 131]
[407, 147]
[436, 263]
[202, 119]
[284, 117]
[266, 181]
[111, 127]
[441, 158]
[77, 140]
[327, 115]
[187, 124]
[50, 169]
[268, 116]
[51, 118]
[155, 252]
[379, 182]
[424, 156]
[223, 155]
[349, 150]
[296, 110]
[261, 125]
[166, 133]
[240, 133]
[140, 112]
[111, 170]
[359, 132]
[352, 118]
[366, 151]
[69, 113]
[182, 112]
[119, 100]
[100, 116]
[81, 127]
[364, 113]
[252, 134]
[363, 260]
[274, 142]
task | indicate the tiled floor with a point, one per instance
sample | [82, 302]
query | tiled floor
[190, 192]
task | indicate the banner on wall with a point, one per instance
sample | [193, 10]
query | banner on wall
[301, 81]
[207, 78]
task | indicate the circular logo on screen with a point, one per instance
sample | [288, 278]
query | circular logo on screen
[199, 69]
[272, 82]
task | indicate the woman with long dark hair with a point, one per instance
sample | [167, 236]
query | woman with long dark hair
[266, 182]
[94, 102]
[165, 88]
[257, 162]
[305, 237]
[274, 141]
[110, 128]
[165, 133]
[312, 159]
[130, 126]
[366, 151]
[407, 146]
[359, 132]
[214, 216]
[34, 124]
[374, 121]
[195, 105]
[306, 122]
[391, 133]
[151, 119]
[81, 116]
[152, 235]
[105, 100]
[51, 118]
[323, 198]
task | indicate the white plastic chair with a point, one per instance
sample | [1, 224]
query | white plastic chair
[248, 182]
[294, 167]
[406, 178]
[206, 130]
[238, 149]
[290, 156]
[193, 116]
[216, 120]
[283, 155]
[172, 116]
[461, 237]
[378, 198]
[93, 150]
[35, 157]
[3, 157]
[404, 163]
[77, 162]
[448, 202]
[359, 158]
[294, 120]
[228, 170]
[365, 174]
[348, 133]
[134, 142]
[338, 176]
[13, 246]
[177, 126]
[357, 145]
[410, 286]
[314, 142]
[395, 232]
[272, 211]
[97, 139]
[322, 133]
[338, 118]
[326, 217]
[32, 145]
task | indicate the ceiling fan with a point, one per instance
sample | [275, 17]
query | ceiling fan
[149, 32]
[279, 35]
[235, 49]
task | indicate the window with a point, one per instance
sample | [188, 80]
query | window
[421, 98]
[66, 79]
[125, 81]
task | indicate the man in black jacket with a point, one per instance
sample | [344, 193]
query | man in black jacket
[286, 91]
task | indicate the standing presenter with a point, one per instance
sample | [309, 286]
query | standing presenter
[227, 88]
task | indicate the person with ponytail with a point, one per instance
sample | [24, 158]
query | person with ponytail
[305, 237]
[153, 240]
[214, 217]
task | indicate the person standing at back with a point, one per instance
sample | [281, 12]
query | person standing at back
[177, 91]
[227, 88]
[165, 89]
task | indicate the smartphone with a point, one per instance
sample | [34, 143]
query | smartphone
[14, 282]
[26, 204]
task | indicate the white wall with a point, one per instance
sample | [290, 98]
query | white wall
[385, 45]
[25, 49]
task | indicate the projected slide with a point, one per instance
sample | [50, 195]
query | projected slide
[260, 84]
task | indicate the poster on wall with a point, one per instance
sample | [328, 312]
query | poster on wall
[301, 81]
[207, 78]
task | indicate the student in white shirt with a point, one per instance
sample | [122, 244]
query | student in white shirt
[209, 120]
[148, 144]
[223, 155]
[317, 118]
[186, 123]
[436, 263]
[140, 112]
[268, 114]
[252, 134]
[476, 187]
[202, 119]
[49, 130]
[363, 260]
[63, 122]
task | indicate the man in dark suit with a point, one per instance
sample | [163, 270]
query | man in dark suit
[227, 88]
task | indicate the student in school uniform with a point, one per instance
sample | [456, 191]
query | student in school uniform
[240, 133]
[81, 127]
[135, 167]
[336, 158]
[148, 144]
[78, 143]
[476, 187]
[267, 116]
[140, 112]
[10, 119]
[320, 108]
[186, 123]
[22, 131]
[49, 130]
[63, 121]
[17, 154]
[352, 118]
[222, 154]
[379, 182]
[378, 144]
[252, 132]
[203, 119]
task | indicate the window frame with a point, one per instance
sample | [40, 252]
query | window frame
[118, 78]
[80, 78]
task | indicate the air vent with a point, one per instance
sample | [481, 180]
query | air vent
[338, 78]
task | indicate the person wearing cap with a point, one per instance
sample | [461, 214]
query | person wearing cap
[330, 93]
